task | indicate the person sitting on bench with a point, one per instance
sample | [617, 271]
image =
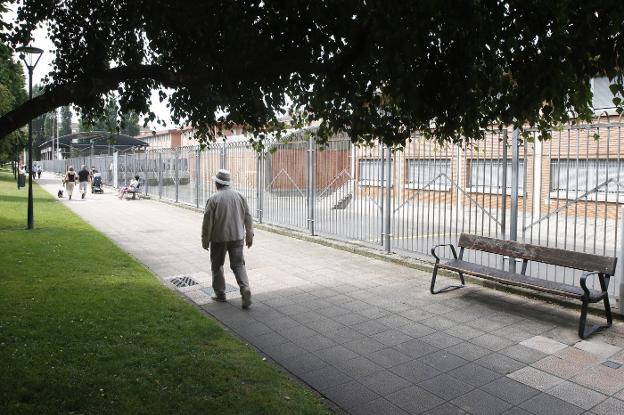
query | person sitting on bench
[132, 188]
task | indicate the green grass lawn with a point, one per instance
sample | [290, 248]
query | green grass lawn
[86, 329]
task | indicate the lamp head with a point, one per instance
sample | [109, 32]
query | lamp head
[30, 55]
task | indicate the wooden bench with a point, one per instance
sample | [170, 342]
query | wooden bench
[592, 265]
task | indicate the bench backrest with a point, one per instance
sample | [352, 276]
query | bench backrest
[554, 256]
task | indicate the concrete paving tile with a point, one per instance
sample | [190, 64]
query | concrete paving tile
[446, 409]
[415, 371]
[544, 404]
[464, 332]
[379, 406]
[297, 332]
[391, 337]
[351, 394]
[344, 335]
[601, 379]
[510, 390]
[350, 319]
[486, 324]
[314, 343]
[480, 402]
[416, 330]
[610, 406]
[580, 357]
[416, 348]
[492, 342]
[358, 367]
[577, 395]
[468, 351]
[543, 344]
[416, 314]
[364, 346]
[535, 378]
[516, 411]
[374, 312]
[303, 363]
[439, 322]
[597, 348]
[415, 400]
[384, 382]
[325, 378]
[500, 363]
[281, 351]
[441, 340]
[565, 369]
[443, 360]
[370, 327]
[395, 321]
[446, 387]
[323, 324]
[523, 354]
[388, 357]
[474, 374]
[336, 354]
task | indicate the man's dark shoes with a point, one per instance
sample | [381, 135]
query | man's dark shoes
[246, 298]
[219, 297]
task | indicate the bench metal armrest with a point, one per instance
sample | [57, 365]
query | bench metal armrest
[438, 246]
[583, 281]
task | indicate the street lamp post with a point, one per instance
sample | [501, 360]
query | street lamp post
[30, 56]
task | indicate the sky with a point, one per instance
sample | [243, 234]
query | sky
[42, 41]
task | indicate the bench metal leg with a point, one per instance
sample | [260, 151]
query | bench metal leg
[448, 287]
[586, 332]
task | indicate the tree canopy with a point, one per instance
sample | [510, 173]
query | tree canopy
[374, 69]
[111, 120]
[12, 94]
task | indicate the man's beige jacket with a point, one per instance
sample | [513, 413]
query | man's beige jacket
[226, 218]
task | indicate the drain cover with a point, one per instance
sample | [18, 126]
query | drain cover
[183, 281]
[228, 289]
[612, 364]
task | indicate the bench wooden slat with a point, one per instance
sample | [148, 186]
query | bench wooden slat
[554, 256]
[518, 280]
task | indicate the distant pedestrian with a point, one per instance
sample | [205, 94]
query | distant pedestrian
[226, 228]
[39, 170]
[83, 178]
[70, 181]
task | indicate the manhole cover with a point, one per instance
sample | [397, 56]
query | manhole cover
[228, 289]
[183, 281]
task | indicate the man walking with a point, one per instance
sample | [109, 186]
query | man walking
[226, 228]
[83, 178]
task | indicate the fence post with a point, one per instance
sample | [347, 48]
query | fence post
[503, 222]
[160, 178]
[388, 209]
[621, 262]
[223, 155]
[259, 184]
[176, 158]
[197, 169]
[311, 184]
[145, 171]
[115, 176]
[515, 178]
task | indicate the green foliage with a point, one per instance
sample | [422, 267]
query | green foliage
[111, 119]
[66, 120]
[86, 329]
[368, 68]
[12, 94]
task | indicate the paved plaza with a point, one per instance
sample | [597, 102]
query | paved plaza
[366, 334]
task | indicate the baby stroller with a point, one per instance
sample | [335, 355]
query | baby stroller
[97, 184]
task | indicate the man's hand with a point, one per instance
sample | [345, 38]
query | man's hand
[206, 245]
[249, 242]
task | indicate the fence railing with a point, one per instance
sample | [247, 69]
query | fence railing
[566, 192]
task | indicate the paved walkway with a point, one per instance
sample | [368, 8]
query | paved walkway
[367, 334]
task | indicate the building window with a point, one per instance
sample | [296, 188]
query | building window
[580, 176]
[431, 174]
[371, 173]
[486, 176]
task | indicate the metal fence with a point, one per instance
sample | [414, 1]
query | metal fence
[566, 192]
